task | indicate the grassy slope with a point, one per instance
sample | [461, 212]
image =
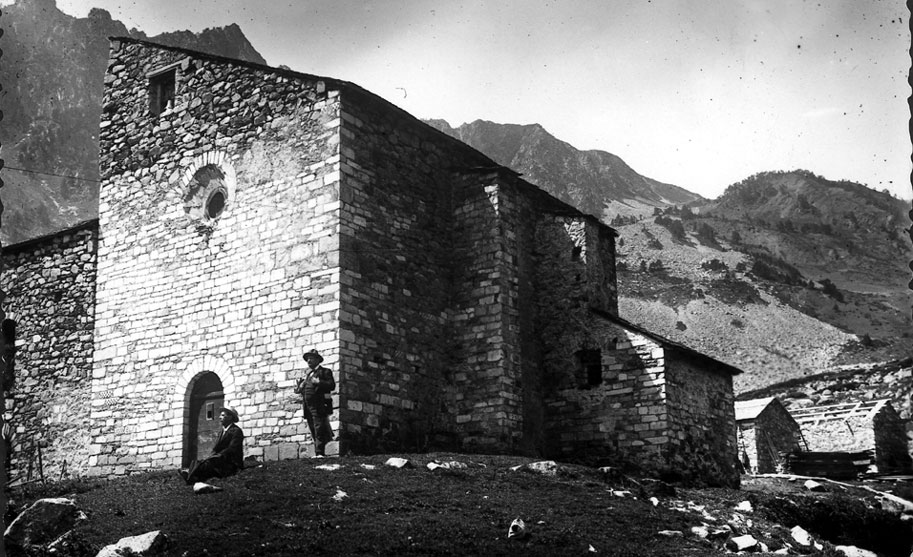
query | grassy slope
[287, 508]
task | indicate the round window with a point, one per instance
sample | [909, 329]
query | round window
[215, 204]
[206, 196]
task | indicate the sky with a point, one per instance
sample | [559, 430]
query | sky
[696, 93]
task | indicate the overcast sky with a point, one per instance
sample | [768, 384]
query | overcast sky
[699, 93]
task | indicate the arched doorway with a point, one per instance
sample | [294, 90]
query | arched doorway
[202, 426]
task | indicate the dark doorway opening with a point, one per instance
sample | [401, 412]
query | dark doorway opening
[203, 427]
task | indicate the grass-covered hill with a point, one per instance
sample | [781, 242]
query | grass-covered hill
[359, 506]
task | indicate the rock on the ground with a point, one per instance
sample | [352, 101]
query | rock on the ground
[150, 543]
[397, 462]
[545, 467]
[801, 536]
[43, 522]
[744, 506]
[853, 551]
[201, 487]
[517, 529]
[812, 485]
[671, 533]
[742, 543]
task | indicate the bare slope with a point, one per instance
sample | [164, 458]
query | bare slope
[594, 181]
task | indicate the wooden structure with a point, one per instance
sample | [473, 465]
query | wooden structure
[856, 427]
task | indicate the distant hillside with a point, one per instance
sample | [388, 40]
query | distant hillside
[595, 182]
[840, 230]
[785, 275]
[53, 76]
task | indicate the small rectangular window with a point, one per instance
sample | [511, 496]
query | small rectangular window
[589, 366]
[210, 411]
[162, 89]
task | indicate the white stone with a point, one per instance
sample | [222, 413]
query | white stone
[397, 462]
[149, 543]
[853, 551]
[742, 543]
[744, 506]
[801, 536]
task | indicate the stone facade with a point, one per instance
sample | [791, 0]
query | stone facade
[50, 287]
[765, 431]
[855, 427]
[249, 213]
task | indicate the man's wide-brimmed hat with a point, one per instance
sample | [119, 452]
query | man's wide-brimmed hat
[230, 412]
[313, 352]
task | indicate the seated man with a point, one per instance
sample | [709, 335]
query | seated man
[227, 456]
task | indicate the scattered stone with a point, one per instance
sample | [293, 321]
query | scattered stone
[546, 467]
[655, 501]
[149, 543]
[702, 531]
[719, 533]
[591, 549]
[853, 551]
[200, 488]
[801, 536]
[744, 506]
[621, 493]
[451, 465]
[329, 467]
[397, 462]
[369, 466]
[671, 533]
[43, 522]
[340, 495]
[742, 543]
[812, 485]
[517, 529]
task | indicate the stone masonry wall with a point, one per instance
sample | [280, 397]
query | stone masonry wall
[50, 286]
[181, 294]
[853, 434]
[702, 444]
[777, 432]
[891, 450]
[396, 250]
[622, 420]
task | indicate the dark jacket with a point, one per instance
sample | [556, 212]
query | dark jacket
[230, 446]
[315, 399]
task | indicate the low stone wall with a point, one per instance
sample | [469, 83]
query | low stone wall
[50, 284]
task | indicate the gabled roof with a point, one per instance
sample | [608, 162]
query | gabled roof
[750, 409]
[667, 342]
[866, 410]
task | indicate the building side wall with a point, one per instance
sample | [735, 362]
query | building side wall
[179, 296]
[777, 432]
[701, 421]
[394, 212]
[50, 287]
[622, 420]
[891, 450]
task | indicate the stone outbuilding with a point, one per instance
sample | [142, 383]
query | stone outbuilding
[853, 427]
[765, 431]
[250, 213]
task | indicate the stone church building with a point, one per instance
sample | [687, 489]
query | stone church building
[248, 214]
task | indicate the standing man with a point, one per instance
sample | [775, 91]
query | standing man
[227, 456]
[314, 386]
